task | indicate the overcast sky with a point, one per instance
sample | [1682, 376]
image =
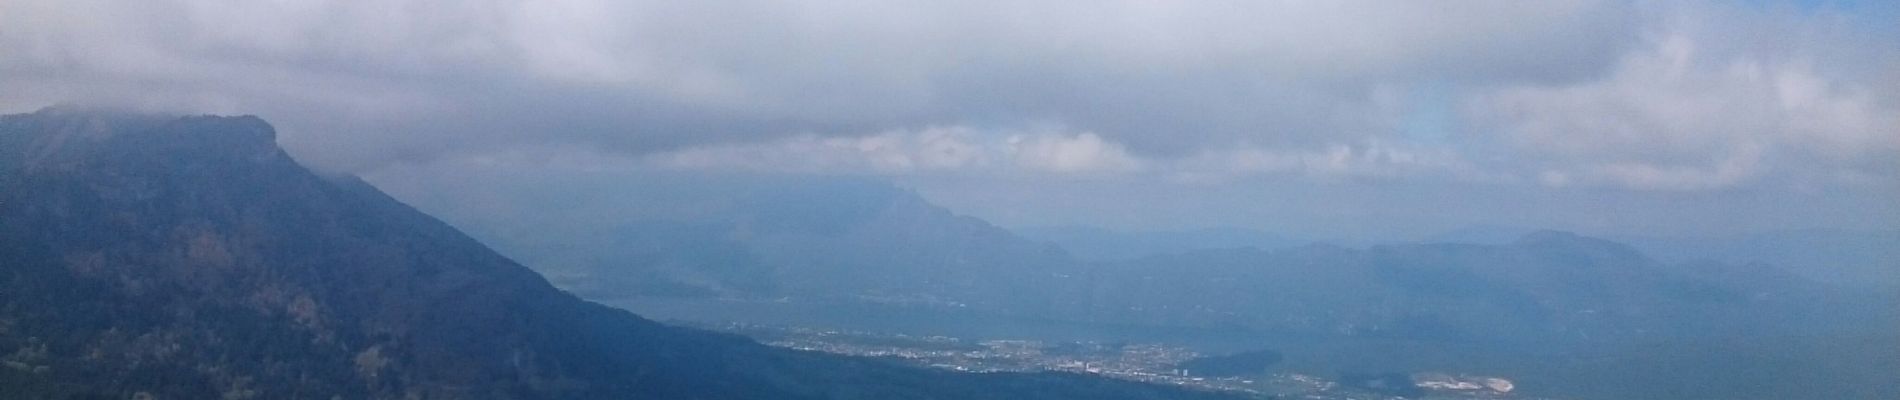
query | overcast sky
[1325, 117]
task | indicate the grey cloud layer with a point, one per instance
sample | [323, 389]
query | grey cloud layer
[1555, 93]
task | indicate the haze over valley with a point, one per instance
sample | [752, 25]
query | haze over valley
[1044, 199]
[1563, 314]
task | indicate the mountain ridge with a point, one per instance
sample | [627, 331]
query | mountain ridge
[192, 258]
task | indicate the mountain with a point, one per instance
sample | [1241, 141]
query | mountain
[1544, 286]
[1868, 259]
[848, 239]
[1480, 234]
[176, 258]
[1861, 258]
[1563, 315]
[1097, 244]
[861, 240]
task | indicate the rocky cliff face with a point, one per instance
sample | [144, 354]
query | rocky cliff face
[192, 258]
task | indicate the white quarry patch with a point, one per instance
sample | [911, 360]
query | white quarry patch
[1463, 383]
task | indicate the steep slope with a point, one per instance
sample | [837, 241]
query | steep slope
[191, 258]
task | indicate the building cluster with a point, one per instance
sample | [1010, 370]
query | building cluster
[1153, 363]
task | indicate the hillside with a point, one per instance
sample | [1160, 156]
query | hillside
[822, 239]
[192, 258]
[1545, 286]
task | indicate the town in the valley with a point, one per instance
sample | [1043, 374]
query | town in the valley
[1144, 362]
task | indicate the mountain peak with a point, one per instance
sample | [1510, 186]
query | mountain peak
[188, 257]
[1549, 235]
[65, 137]
[1572, 243]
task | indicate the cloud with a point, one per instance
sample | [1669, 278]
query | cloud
[1080, 153]
[360, 85]
[931, 149]
[1690, 96]
[1052, 151]
[1047, 151]
[1370, 160]
[1688, 112]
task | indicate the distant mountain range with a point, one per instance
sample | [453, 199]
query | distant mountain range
[863, 240]
[845, 239]
[191, 258]
[1544, 286]
[1837, 256]
[1097, 244]
[1518, 306]
[1855, 258]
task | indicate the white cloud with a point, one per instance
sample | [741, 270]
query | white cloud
[1678, 116]
[934, 149]
[1579, 92]
[1049, 151]
[1374, 159]
[1729, 171]
[754, 70]
[1079, 153]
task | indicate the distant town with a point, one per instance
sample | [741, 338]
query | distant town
[1142, 362]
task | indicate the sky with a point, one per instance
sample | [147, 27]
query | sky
[1327, 118]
